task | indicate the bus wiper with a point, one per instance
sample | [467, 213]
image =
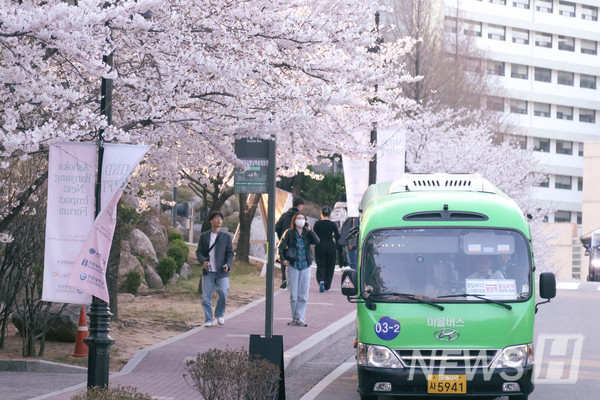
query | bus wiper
[409, 297]
[500, 303]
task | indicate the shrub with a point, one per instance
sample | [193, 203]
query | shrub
[178, 255]
[183, 246]
[232, 374]
[175, 235]
[132, 283]
[166, 269]
[115, 393]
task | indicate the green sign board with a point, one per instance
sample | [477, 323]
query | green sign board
[254, 154]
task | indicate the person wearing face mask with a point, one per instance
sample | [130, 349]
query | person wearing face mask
[294, 253]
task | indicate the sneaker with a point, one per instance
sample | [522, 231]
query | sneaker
[221, 320]
[293, 322]
[301, 322]
[209, 323]
[283, 285]
[321, 286]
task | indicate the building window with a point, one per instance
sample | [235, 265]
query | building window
[541, 144]
[519, 71]
[566, 8]
[562, 182]
[495, 103]
[580, 153]
[579, 218]
[519, 141]
[496, 68]
[450, 24]
[562, 216]
[564, 112]
[589, 12]
[518, 106]
[544, 6]
[472, 28]
[586, 115]
[564, 147]
[542, 74]
[589, 47]
[565, 78]
[541, 110]
[520, 36]
[587, 81]
[579, 184]
[496, 32]
[566, 43]
[543, 39]
[501, 2]
[545, 183]
[521, 4]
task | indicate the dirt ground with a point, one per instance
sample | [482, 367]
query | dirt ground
[143, 321]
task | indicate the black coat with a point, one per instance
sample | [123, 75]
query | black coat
[285, 221]
[289, 240]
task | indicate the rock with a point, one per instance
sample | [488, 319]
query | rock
[186, 271]
[152, 278]
[158, 235]
[174, 279]
[141, 245]
[61, 327]
[128, 263]
[130, 200]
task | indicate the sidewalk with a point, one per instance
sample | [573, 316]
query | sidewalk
[158, 370]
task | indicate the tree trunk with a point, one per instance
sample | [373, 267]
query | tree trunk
[247, 212]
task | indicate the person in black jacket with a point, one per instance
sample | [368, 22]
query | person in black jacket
[285, 222]
[294, 251]
[215, 254]
[325, 251]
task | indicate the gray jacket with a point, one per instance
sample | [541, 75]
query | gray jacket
[223, 252]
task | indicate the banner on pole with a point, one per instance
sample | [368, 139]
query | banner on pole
[69, 217]
[90, 265]
[391, 156]
[356, 178]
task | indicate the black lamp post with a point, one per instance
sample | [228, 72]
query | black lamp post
[99, 341]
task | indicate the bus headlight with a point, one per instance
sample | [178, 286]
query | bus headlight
[376, 356]
[515, 357]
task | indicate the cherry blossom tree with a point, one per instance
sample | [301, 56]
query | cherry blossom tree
[191, 76]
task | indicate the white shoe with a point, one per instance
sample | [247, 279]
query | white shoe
[221, 321]
[209, 323]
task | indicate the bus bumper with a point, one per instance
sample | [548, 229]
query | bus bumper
[393, 382]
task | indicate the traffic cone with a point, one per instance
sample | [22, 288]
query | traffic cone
[81, 349]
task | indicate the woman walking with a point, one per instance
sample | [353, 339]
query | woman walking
[294, 252]
[325, 251]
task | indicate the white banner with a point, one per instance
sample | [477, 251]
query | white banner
[89, 270]
[390, 158]
[356, 178]
[69, 217]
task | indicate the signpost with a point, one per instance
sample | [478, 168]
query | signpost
[258, 156]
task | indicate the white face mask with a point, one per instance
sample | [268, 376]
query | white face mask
[300, 223]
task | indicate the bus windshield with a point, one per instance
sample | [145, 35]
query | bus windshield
[447, 264]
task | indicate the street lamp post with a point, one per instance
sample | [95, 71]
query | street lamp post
[99, 341]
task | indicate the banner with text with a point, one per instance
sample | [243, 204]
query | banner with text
[356, 179]
[69, 217]
[391, 155]
[89, 270]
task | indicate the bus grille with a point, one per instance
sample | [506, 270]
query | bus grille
[446, 358]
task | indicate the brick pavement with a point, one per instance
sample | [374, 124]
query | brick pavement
[159, 369]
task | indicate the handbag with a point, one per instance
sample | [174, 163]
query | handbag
[290, 254]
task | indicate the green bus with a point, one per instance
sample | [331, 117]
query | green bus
[445, 290]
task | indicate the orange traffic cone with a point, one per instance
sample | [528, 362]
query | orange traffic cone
[81, 349]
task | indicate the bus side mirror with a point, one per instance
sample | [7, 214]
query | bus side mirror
[349, 283]
[547, 288]
[547, 285]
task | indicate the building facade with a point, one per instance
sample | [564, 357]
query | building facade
[544, 56]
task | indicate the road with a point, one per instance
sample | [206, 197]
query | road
[566, 345]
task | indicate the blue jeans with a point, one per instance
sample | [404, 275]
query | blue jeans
[210, 283]
[298, 282]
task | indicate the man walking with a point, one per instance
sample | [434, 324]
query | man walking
[284, 223]
[215, 254]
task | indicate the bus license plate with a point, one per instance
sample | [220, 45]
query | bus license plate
[443, 384]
